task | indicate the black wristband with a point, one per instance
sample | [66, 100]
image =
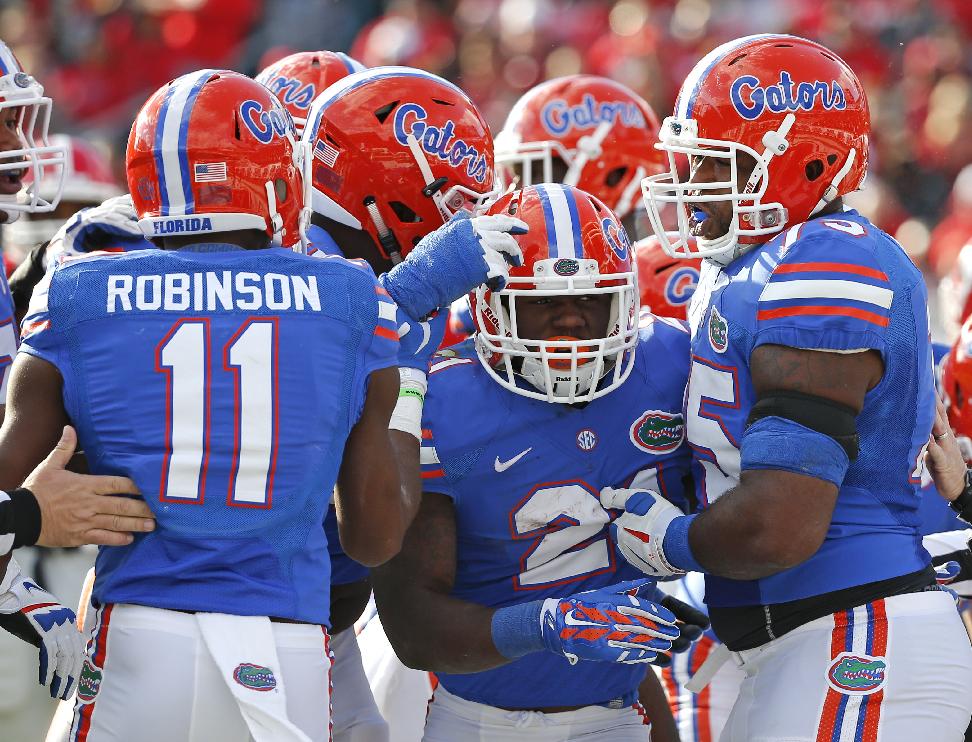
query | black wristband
[24, 517]
[962, 505]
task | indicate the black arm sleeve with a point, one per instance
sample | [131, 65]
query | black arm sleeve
[27, 275]
[21, 516]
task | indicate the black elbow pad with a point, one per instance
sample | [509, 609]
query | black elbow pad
[822, 415]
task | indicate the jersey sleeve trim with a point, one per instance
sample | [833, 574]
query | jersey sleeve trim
[429, 458]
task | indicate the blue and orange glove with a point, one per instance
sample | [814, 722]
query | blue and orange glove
[453, 260]
[612, 624]
[418, 341]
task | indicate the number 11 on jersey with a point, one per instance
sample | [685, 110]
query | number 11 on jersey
[184, 356]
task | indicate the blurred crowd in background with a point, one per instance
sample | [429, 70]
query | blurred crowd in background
[99, 59]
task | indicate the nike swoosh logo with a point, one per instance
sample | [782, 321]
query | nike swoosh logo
[501, 466]
[569, 620]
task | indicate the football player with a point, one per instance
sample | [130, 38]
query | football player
[585, 131]
[299, 78]
[379, 195]
[191, 374]
[521, 433]
[28, 156]
[808, 409]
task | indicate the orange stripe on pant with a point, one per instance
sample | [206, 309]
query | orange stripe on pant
[838, 640]
[98, 655]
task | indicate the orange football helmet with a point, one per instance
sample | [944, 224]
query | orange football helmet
[299, 78]
[215, 151]
[602, 133]
[666, 284]
[396, 151]
[957, 382]
[575, 246]
[791, 105]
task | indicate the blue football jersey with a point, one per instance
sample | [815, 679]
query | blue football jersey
[224, 382]
[834, 284]
[525, 475]
[9, 334]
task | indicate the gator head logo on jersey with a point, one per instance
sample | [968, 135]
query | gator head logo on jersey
[255, 677]
[718, 331]
[658, 432]
[89, 683]
[856, 674]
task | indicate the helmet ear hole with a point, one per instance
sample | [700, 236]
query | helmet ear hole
[814, 169]
[831, 159]
[614, 177]
[385, 111]
[404, 213]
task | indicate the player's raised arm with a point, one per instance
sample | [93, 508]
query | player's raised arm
[372, 514]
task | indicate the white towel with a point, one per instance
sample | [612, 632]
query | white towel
[246, 654]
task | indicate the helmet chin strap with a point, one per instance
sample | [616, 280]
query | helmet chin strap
[588, 148]
[276, 221]
[385, 236]
[830, 192]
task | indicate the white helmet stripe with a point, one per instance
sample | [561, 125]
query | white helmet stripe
[170, 143]
[561, 214]
[693, 82]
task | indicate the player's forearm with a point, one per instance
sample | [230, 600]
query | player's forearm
[743, 536]
[435, 632]
[406, 449]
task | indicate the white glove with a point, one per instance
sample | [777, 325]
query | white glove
[500, 249]
[34, 615]
[640, 531]
[113, 218]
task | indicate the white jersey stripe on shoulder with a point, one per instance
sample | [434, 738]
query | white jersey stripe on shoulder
[827, 289]
[444, 364]
[387, 310]
[428, 455]
[792, 235]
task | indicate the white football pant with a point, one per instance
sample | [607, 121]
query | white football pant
[452, 719]
[700, 717]
[895, 670]
[355, 716]
[155, 675]
[401, 693]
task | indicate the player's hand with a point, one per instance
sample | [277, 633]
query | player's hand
[944, 457]
[34, 615]
[453, 260]
[418, 341]
[80, 508]
[97, 227]
[640, 530]
[612, 624]
[691, 621]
